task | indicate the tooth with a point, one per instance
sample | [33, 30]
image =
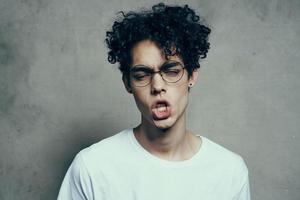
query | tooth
[161, 109]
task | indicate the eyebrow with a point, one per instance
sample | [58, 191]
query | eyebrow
[168, 65]
[141, 68]
[145, 68]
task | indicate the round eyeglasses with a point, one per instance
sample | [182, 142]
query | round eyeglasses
[171, 72]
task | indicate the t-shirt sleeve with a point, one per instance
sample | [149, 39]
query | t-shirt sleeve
[244, 193]
[77, 182]
[244, 187]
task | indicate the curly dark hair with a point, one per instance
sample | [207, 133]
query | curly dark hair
[170, 27]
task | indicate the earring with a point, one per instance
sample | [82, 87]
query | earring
[190, 85]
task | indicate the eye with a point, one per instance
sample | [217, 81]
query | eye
[171, 69]
[140, 75]
[171, 72]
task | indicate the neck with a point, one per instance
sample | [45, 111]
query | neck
[173, 143]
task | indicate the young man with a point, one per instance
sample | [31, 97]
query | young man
[158, 52]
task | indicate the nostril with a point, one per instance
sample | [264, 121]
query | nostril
[157, 88]
[157, 91]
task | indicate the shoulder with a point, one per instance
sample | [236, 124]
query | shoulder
[108, 143]
[227, 164]
[218, 154]
[104, 151]
[88, 167]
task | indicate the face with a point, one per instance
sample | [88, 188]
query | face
[161, 104]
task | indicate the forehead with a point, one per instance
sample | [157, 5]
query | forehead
[148, 53]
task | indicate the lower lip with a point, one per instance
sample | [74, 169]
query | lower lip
[161, 115]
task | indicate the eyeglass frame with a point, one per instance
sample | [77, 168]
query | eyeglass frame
[159, 71]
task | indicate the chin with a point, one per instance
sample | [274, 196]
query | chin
[163, 124]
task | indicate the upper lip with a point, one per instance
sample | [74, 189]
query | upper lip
[161, 101]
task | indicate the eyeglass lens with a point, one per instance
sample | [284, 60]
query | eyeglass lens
[171, 72]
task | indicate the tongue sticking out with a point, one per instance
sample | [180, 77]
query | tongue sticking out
[161, 111]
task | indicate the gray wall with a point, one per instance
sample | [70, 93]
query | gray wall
[59, 94]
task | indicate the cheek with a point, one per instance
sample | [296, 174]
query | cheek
[183, 99]
[180, 96]
[141, 100]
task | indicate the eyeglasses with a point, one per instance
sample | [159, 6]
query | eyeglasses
[171, 72]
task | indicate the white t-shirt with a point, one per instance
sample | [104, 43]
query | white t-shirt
[119, 168]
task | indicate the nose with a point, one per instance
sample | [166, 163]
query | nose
[157, 84]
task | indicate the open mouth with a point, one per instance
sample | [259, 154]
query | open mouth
[161, 110]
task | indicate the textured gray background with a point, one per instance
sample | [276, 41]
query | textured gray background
[59, 94]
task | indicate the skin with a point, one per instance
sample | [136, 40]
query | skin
[168, 138]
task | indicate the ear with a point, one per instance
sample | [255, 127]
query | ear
[126, 83]
[193, 78]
